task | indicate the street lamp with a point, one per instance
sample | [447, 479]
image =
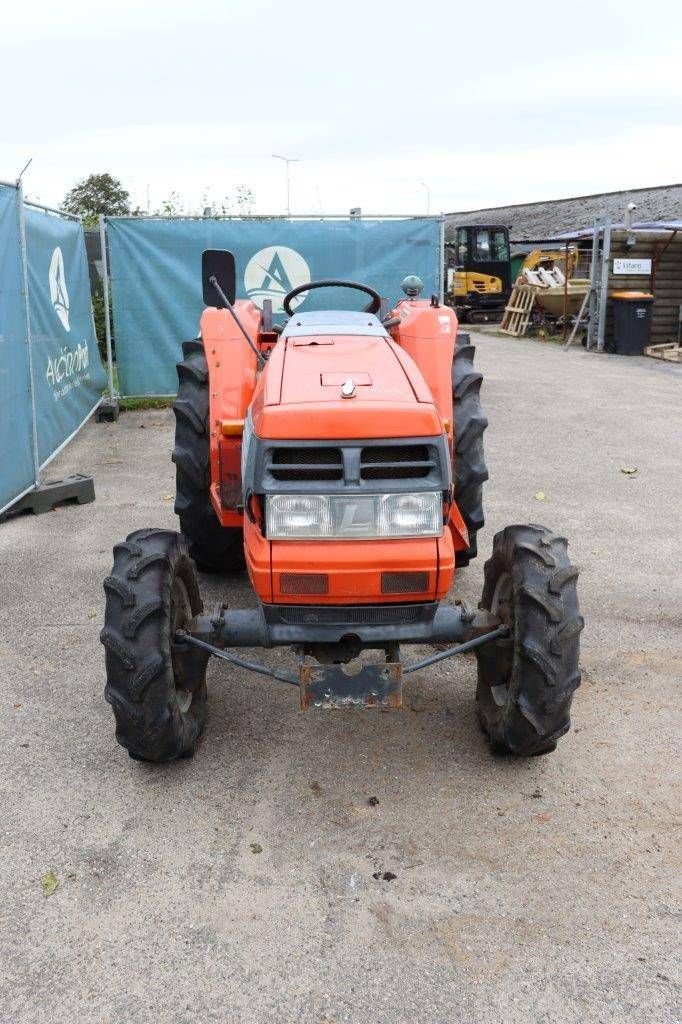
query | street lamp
[428, 196]
[287, 160]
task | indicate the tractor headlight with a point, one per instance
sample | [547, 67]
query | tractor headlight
[353, 517]
[410, 515]
[297, 515]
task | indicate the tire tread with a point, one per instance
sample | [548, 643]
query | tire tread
[213, 547]
[469, 471]
[547, 625]
[140, 683]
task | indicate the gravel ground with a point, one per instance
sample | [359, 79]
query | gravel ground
[529, 891]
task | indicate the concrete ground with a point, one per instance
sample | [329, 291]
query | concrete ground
[525, 891]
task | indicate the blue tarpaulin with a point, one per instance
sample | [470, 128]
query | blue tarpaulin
[67, 370]
[155, 267]
[51, 376]
[16, 459]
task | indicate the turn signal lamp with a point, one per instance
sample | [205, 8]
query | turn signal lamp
[232, 428]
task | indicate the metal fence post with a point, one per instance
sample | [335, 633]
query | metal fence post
[107, 322]
[29, 340]
[593, 284]
[604, 284]
[441, 264]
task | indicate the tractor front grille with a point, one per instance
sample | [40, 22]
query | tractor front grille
[371, 615]
[384, 466]
[306, 464]
[396, 462]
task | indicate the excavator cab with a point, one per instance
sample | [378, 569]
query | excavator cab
[478, 271]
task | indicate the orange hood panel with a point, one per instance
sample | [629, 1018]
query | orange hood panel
[307, 365]
[301, 397]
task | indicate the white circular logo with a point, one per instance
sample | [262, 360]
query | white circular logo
[273, 272]
[58, 291]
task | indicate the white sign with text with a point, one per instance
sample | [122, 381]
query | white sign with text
[624, 266]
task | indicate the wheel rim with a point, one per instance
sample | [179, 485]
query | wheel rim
[181, 613]
[502, 606]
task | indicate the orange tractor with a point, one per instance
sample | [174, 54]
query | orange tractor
[339, 459]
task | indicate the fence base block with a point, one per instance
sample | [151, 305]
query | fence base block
[107, 411]
[50, 493]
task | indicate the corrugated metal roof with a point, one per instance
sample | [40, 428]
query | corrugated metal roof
[664, 226]
[547, 219]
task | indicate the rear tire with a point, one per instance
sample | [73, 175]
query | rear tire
[152, 591]
[214, 548]
[470, 471]
[526, 681]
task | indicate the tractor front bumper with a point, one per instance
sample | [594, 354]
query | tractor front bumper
[335, 635]
[373, 626]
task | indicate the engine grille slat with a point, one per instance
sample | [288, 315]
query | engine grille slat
[385, 464]
[309, 464]
[396, 462]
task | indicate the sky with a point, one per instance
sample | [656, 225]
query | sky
[394, 107]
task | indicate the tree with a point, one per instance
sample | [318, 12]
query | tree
[99, 193]
[95, 195]
[239, 203]
[245, 198]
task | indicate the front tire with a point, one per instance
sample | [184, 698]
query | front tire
[526, 681]
[469, 471]
[159, 707]
[214, 548]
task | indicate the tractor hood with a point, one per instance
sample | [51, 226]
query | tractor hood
[340, 375]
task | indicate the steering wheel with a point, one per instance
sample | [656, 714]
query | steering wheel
[372, 307]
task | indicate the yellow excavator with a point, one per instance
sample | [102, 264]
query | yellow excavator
[478, 270]
[550, 258]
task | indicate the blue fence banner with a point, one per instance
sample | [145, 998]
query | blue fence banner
[155, 268]
[17, 471]
[51, 375]
[68, 376]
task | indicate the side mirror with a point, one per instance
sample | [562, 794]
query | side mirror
[218, 263]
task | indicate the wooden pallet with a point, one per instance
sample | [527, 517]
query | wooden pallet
[669, 350]
[518, 310]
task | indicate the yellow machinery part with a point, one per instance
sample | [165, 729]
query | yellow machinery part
[462, 282]
[549, 258]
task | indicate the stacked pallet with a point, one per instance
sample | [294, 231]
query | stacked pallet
[517, 312]
[670, 351]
